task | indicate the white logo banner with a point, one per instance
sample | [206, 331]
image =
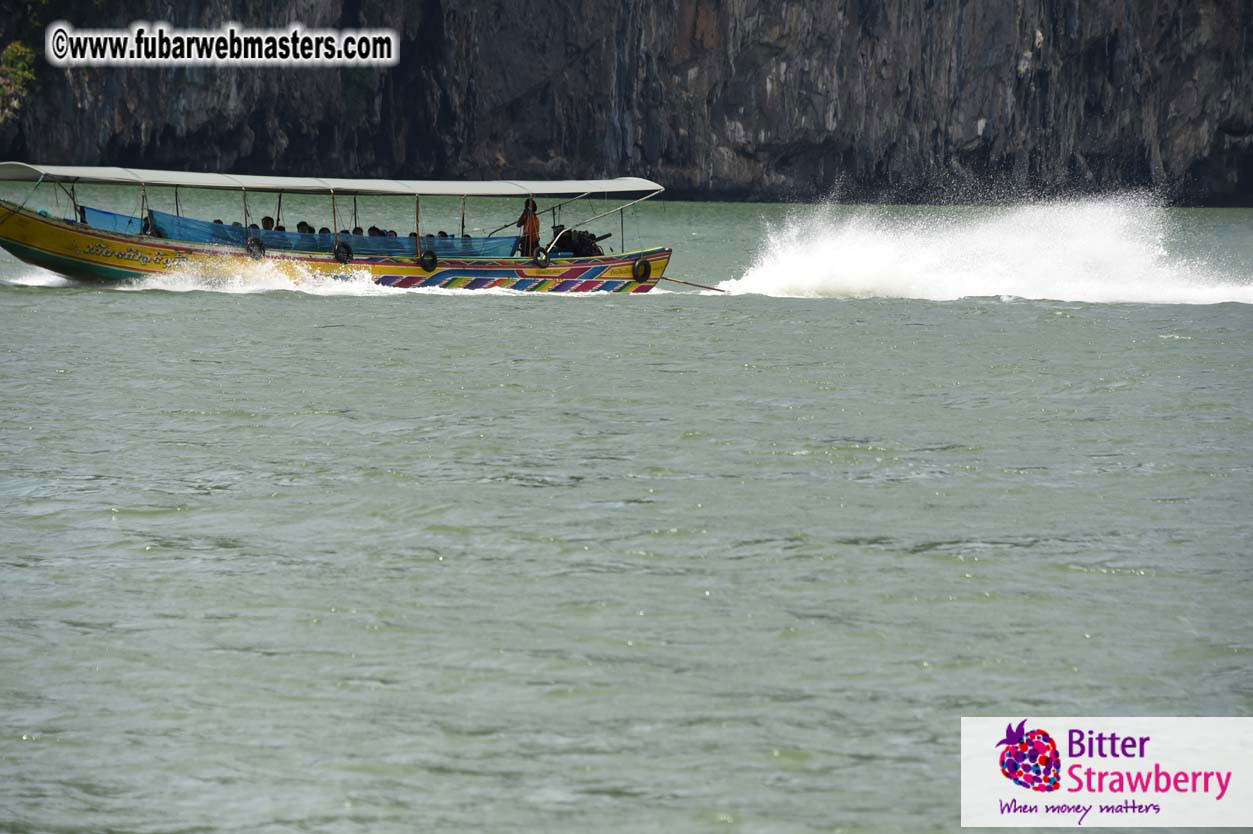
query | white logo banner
[1100, 772]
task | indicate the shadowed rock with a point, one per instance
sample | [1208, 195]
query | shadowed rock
[905, 99]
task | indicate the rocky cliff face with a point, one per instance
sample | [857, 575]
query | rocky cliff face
[905, 99]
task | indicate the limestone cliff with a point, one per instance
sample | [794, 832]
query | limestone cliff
[905, 99]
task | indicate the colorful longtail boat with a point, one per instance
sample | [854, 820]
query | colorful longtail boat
[98, 245]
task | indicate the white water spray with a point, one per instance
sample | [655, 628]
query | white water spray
[37, 277]
[240, 276]
[1095, 250]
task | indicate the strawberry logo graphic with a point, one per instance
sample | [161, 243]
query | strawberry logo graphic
[1030, 758]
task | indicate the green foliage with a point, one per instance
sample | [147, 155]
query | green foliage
[17, 68]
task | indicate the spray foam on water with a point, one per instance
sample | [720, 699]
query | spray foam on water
[235, 276]
[244, 277]
[37, 277]
[1095, 250]
[240, 276]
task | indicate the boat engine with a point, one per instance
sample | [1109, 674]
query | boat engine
[579, 242]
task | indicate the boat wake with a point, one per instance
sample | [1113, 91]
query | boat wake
[258, 277]
[36, 277]
[264, 276]
[1094, 250]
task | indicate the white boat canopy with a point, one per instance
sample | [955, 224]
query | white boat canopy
[21, 171]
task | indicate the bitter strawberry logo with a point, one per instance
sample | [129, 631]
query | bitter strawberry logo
[1030, 758]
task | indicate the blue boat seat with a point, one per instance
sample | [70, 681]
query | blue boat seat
[202, 231]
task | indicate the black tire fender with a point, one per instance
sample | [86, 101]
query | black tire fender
[642, 269]
[342, 252]
[541, 257]
[428, 260]
[255, 248]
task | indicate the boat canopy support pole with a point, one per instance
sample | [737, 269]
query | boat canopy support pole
[24, 199]
[334, 222]
[355, 222]
[245, 193]
[622, 228]
[572, 199]
[143, 207]
[557, 208]
[278, 211]
[463, 215]
[69, 192]
[177, 209]
[417, 223]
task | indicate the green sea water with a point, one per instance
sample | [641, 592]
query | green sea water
[326, 557]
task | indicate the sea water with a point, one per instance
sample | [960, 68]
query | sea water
[322, 556]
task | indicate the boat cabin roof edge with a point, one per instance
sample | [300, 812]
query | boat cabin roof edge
[27, 172]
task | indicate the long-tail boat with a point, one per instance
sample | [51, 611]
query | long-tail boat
[99, 245]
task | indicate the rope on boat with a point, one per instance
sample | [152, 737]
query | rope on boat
[690, 284]
[550, 208]
[550, 246]
[23, 205]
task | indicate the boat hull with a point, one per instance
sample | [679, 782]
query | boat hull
[78, 251]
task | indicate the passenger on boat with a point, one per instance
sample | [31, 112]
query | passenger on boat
[267, 223]
[357, 230]
[280, 228]
[391, 233]
[529, 221]
[253, 226]
[323, 230]
[219, 222]
[442, 233]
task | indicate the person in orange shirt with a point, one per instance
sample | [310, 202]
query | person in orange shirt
[529, 221]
